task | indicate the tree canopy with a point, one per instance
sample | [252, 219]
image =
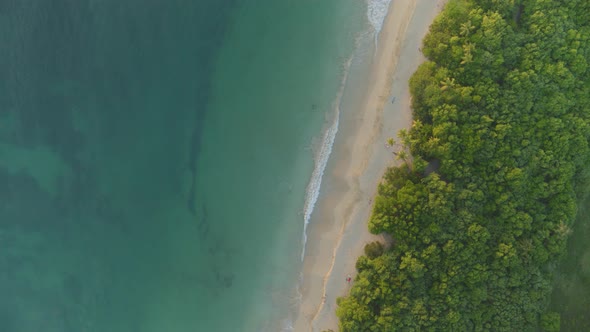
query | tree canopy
[502, 108]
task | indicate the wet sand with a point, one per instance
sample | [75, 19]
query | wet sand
[338, 231]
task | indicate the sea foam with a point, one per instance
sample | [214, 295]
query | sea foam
[321, 159]
[376, 12]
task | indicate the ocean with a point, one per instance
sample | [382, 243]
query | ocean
[159, 160]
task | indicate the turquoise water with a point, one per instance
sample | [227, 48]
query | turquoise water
[155, 157]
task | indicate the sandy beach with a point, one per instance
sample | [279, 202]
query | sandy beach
[338, 231]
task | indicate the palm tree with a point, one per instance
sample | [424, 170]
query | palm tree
[447, 83]
[467, 56]
[466, 29]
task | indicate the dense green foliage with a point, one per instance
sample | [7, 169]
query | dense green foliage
[499, 145]
[571, 287]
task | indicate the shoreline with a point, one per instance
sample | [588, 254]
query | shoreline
[338, 231]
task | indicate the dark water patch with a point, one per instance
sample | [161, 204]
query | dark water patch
[24, 204]
[117, 91]
[74, 288]
[225, 280]
[194, 147]
[203, 223]
[8, 318]
[60, 55]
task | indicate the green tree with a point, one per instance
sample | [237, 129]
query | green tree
[499, 148]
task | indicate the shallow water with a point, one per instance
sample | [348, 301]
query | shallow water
[155, 155]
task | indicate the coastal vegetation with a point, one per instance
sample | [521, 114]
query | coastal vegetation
[571, 286]
[482, 206]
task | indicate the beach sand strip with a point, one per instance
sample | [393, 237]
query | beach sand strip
[338, 232]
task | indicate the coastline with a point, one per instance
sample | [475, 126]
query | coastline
[338, 231]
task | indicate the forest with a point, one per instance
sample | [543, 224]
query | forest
[492, 171]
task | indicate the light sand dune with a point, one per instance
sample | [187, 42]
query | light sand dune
[339, 230]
